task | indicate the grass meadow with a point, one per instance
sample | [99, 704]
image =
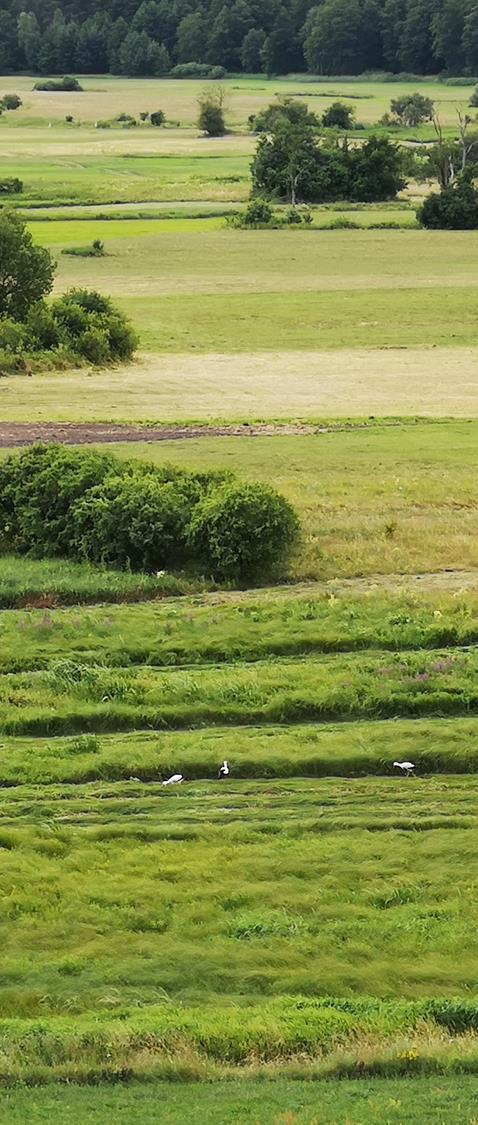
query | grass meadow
[298, 1103]
[297, 943]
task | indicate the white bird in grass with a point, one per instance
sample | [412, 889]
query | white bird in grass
[224, 770]
[174, 780]
[406, 767]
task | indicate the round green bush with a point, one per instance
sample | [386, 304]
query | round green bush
[58, 501]
[242, 532]
[134, 521]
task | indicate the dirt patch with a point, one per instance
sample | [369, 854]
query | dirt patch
[70, 433]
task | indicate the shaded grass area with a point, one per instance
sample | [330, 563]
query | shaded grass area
[348, 750]
[113, 901]
[72, 697]
[415, 1100]
[240, 628]
[50, 582]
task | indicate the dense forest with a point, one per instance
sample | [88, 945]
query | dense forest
[272, 36]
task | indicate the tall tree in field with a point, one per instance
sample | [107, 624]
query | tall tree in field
[26, 270]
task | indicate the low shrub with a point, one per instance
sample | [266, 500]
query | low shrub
[11, 186]
[86, 505]
[244, 531]
[93, 327]
[258, 213]
[59, 85]
[197, 70]
[454, 208]
[95, 250]
[11, 101]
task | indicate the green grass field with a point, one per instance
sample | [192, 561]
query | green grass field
[298, 1103]
[199, 952]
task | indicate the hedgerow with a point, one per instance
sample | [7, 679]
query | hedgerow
[87, 505]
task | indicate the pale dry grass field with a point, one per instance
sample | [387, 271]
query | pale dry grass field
[103, 97]
[433, 382]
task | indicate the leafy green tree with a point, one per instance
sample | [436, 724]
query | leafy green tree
[148, 18]
[211, 111]
[192, 38]
[282, 52]
[454, 208]
[227, 33]
[412, 109]
[292, 163]
[447, 34]
[470, 40]
[285, 163]
[26, 270]
[343, 37]
[338, 116]
[140, 55]
[244, 532]
[393, 19]
[416, 41]
[284, 109]
[251, 50]
[375, 171]
[10, 56]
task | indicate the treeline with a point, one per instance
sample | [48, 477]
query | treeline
[155, 36]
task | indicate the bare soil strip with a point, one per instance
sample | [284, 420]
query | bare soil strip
[69, 433]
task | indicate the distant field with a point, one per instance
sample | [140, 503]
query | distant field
[104, 97]
[180, 257]
[79, 164]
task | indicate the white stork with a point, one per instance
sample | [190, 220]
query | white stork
[174, 780]
[407, 768]
[224, 770]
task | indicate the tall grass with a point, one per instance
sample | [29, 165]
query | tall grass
[241, 628]
[448, 746]
[120, 897]
[47, 583]
[73, 696]
[324, 1038]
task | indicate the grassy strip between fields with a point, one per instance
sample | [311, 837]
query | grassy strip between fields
[448, 746]
[316, 1038]
[189, 633]
[72, 697]
[418, 1101]
[50, 582]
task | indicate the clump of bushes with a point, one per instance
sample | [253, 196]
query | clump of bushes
[80, 325]
[338, 116]
[453, 208]
[12, 186]
[86, 505]
[197, 70]
[59, 85]
[95, 250]
[11, 101]
[284, 109]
